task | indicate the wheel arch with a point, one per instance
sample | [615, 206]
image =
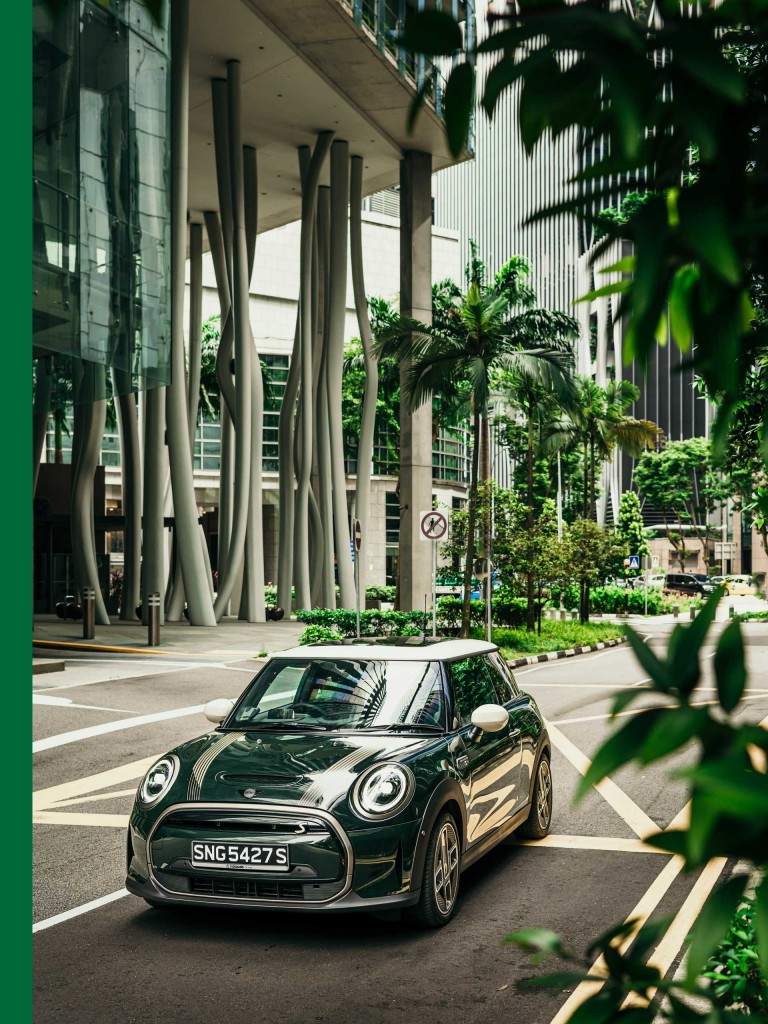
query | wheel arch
[447, 796]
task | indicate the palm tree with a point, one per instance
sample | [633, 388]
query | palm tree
[599, 424]
[489, 327]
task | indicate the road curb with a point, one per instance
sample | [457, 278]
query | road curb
[571, 652]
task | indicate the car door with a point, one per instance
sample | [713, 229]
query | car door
[489, 763]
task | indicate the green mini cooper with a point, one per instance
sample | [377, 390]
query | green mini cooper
[362, 776]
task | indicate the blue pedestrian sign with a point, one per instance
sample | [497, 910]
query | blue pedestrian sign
[634, 561]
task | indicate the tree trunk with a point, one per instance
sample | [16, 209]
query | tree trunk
[585, 502]
[471, 523]
[592, 507]
[530, 608]
[485, 479]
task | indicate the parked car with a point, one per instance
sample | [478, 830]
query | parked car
[707, 583]
[718, 581]
[685, 583]
[363, 776]
[655, 580]
[740, 585]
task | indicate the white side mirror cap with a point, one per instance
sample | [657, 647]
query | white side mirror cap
[490, 717]
[217, 710]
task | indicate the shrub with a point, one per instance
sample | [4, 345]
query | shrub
[555, 636]
[383, 593]
[319, 634]
[372, 621]
[734, 970]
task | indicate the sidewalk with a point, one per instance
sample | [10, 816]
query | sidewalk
[230, 637]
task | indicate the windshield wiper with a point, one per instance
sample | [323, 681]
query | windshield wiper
[409, 726]
[286, 725]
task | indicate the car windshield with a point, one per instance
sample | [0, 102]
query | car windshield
[344, 695]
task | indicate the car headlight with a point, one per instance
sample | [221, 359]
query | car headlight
[158, 780]
[382, 791]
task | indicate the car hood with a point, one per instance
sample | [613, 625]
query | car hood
[310, 769]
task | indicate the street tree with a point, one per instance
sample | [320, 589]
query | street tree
[681, 482]
[490, 326]
[630, 530]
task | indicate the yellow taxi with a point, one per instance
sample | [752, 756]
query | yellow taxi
[739, 585]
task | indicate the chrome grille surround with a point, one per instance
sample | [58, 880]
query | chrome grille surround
[261, 813]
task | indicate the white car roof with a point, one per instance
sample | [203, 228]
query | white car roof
[409, 648]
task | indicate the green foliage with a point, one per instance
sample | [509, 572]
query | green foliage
[380, 593]
[753, 616]
[630, 526]
[554, 636]
[734, 970]
[319, 635]
[372, 622]
[596, 67]
[682, 482]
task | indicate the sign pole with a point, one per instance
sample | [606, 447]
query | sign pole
[434, 588]
[357, 543]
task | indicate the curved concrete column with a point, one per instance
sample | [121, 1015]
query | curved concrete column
[90, 426]
[325, 559]
[179, 451]
[130, 473]
[243, 344]
[40, 413]
[153, 569]
[308, 204]
[252, 607]
[334, 346]
[365, 442]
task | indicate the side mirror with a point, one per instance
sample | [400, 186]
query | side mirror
[217, 710]
[490, 717]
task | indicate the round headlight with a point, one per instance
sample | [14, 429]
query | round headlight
[382, 791]
[158, 780]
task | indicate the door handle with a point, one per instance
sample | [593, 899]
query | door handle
[514, 733]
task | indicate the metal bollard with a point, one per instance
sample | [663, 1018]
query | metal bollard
[89, 613]
[731, 612]
[676, 610]
[153, 620]
[563, 614]
[574, 616]
[692, 613]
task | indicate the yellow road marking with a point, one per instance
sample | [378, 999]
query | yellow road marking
[96, 797]
[666, 951]
[45, 798]
[607, 843]
[73, 818]
[647, 904]
[640, 823]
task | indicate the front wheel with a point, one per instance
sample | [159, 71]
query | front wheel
[440, 884]
[537, 824]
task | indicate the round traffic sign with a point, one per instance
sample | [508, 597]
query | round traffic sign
[358, 535]
[433, 525]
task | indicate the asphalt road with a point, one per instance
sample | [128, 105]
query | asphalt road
[124, 962]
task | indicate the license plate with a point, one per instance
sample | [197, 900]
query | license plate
[240, 856]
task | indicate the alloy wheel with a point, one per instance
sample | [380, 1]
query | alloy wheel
[544, 794]
[446, 871]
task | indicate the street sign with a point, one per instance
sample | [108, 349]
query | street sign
[480, 568]
[634, 561]
[357, 534]
[432, 525]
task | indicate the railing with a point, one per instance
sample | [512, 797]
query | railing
[384, 21]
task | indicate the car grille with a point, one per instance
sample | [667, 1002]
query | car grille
[247, 888]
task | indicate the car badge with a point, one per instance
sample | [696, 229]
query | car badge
[250, 793]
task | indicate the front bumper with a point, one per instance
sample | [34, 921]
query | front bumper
[331, 869]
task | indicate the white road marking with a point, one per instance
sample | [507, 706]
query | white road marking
[157, 668]
[102, 901]
[99, 730]
[66, 702]
[95, 797]
[654, 707]
[569, 661]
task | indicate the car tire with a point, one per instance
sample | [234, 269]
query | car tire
[538, 822]
[439, 891]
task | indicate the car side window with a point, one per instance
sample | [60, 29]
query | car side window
[472, 686]
[503, 681]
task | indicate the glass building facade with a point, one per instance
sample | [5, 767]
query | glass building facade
[101, 201]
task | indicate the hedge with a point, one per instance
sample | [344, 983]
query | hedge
[372, 622]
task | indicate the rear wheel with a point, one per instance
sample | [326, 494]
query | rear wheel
[539, 819]
[440, 884]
